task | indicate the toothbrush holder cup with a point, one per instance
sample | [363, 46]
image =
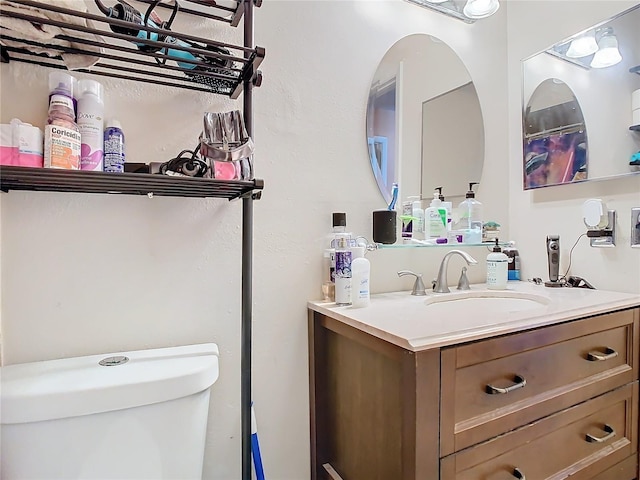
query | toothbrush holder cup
[384, 226]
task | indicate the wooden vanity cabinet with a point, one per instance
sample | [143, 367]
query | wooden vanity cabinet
[548, 403]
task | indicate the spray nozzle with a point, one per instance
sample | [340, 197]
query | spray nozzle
[440, 196]
[497, 248]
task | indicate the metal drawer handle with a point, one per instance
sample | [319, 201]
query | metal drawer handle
[520, 383]
[608, 354]
[610, 434]
[518, 474]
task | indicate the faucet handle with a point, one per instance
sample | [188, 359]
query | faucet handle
[463, 283]
[418, 285]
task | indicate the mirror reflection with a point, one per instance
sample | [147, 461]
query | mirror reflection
[555, 139]
[424, 124]
[589, 79]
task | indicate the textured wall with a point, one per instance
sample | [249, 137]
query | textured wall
[84, 274]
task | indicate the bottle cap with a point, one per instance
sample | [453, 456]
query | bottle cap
[113, 123]
[91, 87]
[339, 219]
[62, 83]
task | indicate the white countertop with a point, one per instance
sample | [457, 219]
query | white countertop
[418, 323]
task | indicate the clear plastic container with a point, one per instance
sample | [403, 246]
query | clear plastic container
[470, 211]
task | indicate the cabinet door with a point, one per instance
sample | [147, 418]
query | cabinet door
[580, 443]
[493, 386]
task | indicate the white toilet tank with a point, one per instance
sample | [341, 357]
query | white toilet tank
[139, 415]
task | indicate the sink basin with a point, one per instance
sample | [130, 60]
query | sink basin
[485, 301]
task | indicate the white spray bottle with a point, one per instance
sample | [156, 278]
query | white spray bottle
[91, 125]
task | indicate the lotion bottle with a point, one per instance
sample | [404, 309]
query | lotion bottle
[447, 206]
[360, 274]
[497, 266]
[435, 217]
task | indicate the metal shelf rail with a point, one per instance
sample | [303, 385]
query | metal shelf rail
[80, 181]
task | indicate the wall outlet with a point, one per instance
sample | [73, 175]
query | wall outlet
[635, 227]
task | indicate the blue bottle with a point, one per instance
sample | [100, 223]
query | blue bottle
[513, 272]
[113, 147]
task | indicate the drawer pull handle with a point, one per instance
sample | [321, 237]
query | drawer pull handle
[608, 354]
[610, 434]
[520, 383]
[518, 474]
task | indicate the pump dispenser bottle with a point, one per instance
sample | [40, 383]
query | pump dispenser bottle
[435, 218]
[448, 207]
[497, 266]
[470, 211]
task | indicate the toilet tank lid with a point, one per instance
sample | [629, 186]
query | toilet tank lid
[71, 387]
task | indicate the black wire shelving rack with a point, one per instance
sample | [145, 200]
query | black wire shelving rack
[218, 68]
[199, 64]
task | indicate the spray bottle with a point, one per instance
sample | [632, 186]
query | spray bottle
[91, 125]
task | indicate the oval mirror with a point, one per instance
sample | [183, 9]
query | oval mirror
[555, 137]
[424, 124]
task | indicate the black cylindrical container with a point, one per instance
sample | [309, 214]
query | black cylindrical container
[384, 226]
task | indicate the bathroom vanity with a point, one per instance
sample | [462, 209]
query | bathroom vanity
[531, 383]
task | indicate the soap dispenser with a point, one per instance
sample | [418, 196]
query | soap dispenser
[448, 207]
[435, 218]
[470, 211]
[497, 267]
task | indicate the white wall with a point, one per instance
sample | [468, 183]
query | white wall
[84, 274]
[558, 209]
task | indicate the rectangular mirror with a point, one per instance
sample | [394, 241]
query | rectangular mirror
[578, 122]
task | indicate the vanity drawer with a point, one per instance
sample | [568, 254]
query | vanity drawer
[494, 386]
[583, 442]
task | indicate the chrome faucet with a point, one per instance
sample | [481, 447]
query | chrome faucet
[418, 285]
[441, 285]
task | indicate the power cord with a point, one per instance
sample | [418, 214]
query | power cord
[570, 253]
[164, 25]
[190, 166]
